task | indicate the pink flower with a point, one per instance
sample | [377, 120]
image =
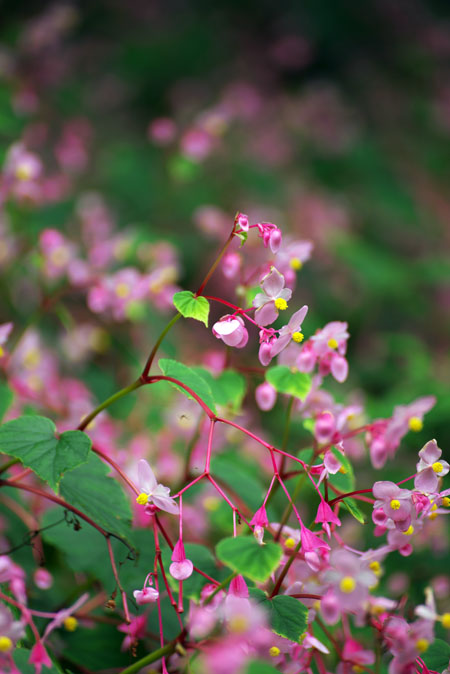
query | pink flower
[396, 503]
[274, 298]
[162, 130]
[266, 396]
[270, 235]
[147, 595]
[43, 579]
[181, 568]
[430, 468]
[39, 657]
[259, 521]
[134, 631]
[289, 332]
[350, 580]
[231, 330]
[152, 492]
[61, 616]
[242, 222]
[326, 516]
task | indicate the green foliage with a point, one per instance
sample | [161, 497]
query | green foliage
[288, 616]
[241, 478]
[6, 398]
[34, 441]
[89, 488]
[228, 389]
[245, 556]
[190, 306]
[260, 667]
[172, 368]
[291, 382]
[351, 506]
[437, 656]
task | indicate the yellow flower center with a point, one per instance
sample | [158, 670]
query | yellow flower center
[415, 424]
[274, 651]
[142, 499]
[395, 504]
[281, 304]
[409, 531]
[347, 584]
[333, 343]
[422, 645]
[59, 256]
[357, 669]
[23, 172]
[432, 516]
[446, 502]
[298, 337]
[375, 567]
[433, 507]
[32, 359]
[445, 620]
[122, 290]
[211, 503]
[1, 352]
[238, 623]
[295, 263]
[437, 466]
[343, 470]
[5, 644]
[289, 543]
[70, 623]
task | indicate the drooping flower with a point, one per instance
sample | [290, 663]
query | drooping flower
[181, 567]
[231, 330]
[274, 298]
[430, 468]
[152, 492]
[265, 396]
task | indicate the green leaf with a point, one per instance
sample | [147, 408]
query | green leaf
[239, 477]
[227, 389]
[437, 655]
[202, 558]
[34, 441]
[290, 381]
[288, 616]
[172, 368]
[6, 398]
[351, 506]
[190, 306]
[245, 556]
[243, 236]
[260, 667]
[89, 489]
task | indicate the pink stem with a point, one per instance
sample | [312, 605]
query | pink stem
[204, 406]
[209, 449]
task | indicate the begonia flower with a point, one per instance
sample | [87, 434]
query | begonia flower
[289, 332]
[430, 468]
[181, 567]
[231, 330]
[152, 492]
[274, 298]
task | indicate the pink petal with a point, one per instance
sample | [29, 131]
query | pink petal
[146, 596]
[226, 327]
[166, 503]
[267, 314]
[296, 320]
[273, 283]
[339, 368]
[430, 452]
[280, 344]
[146, 477]
[181, 570]
[426, 481]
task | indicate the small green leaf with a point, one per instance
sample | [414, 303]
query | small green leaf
[172, 368]
[290, 381]
[34, 441]
[243, 236]
[260, 667]
[190, 306]
[6, 398]
[227, 389]
[288, 616]
[351, 506]
[245, 556]
[89, 489]
[437, 655]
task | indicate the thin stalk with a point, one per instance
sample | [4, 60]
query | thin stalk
[152, 355]
[216, 262]
[151, 657]
[217, 589]
[109, 401]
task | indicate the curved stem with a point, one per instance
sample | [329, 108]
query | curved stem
[151, 357]
[109, 401]
[148, 659]
[217, 260]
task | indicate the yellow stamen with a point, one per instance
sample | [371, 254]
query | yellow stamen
[343, 470]
[422, 645]
[409, 531]
[1, 352]
[70, 623]
[23, 172]
[433, 516]
[298, 337]
[295, 263]
[347, 584]
[395, 504]
[415, 424]
[437, 466]
[5, 644]
[122, 290]
[434, 507]
[32, 359]
[333, 343]
[238, 624]
[290, 543]
[375, 567]
[211, 503]
[142, 499]
[446, 502]
[281, 304]
[445, 620]
[357, 669]
[274, 651]
[59, 256]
